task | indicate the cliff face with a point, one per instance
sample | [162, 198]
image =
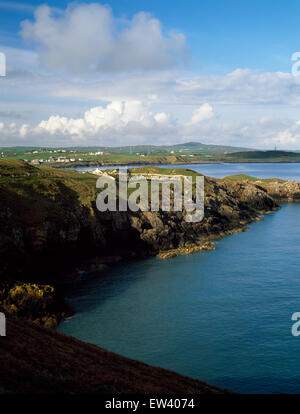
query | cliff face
[280, 190]
[37, 360]
[49, 219]
[283, 191]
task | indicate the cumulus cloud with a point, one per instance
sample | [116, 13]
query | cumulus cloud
[121, 122]
[88, 37]
[117, 123]
[203, 113]
[115, 116]
[176, 107]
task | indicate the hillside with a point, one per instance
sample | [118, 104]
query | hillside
[188, 146]
[49, 221]
[178, 154]
[266, 156]
[49, 227]
[37, 360]
[279, 190]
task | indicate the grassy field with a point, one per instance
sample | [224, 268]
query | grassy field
[158, 156]
[243, 177]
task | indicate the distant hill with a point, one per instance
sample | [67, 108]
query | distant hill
[188, 147]
[210, 147]
[196, 147]
[265, 154]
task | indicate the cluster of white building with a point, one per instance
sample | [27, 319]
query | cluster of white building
[54, 159]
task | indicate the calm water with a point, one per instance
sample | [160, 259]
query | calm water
[286, 171]
[223, 316]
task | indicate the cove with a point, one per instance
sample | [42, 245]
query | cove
[223, 316]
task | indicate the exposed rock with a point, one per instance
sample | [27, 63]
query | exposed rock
[279, 190]
[49, 220]
[186, 250]
[284, 191]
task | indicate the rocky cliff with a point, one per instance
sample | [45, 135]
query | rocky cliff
[49, 221]
[283, 191]
[280, 190]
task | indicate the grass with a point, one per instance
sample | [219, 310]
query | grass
[32, 198]
[151, 155]
[244, 177]
[164, 171]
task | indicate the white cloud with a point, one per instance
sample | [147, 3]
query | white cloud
[87, 37]
[116, 120]
[123, 122]
[24, 130]
[204, 113]
[241, 87]
[176, 107]
[117, 123]
[162, 118]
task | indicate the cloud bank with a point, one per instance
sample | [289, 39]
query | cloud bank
[124, 122]
[117, 123]
[115, 81]
[87, 37]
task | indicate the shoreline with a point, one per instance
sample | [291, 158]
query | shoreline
[201, 245]
[108, 238]
[68, 227]
[146, 163]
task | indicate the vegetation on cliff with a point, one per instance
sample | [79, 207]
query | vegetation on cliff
[49, 220]
[186, 153]
[37, 303]
[280, 190]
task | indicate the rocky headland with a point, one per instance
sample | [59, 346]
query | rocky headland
[49, 222]
[51, 229]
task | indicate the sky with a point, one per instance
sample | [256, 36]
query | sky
[137, 72]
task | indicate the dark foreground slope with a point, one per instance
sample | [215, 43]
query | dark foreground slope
[37, 360]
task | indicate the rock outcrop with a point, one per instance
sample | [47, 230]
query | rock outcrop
[49, 220]
[283, 191]
[280, 190]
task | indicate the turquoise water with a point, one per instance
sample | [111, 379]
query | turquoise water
[223, 316]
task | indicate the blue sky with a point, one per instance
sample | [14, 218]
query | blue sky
[228, 68]
[222, 34]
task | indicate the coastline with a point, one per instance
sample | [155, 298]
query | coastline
[55, 363]
[68, 226]
[231, 206]
[72, 165]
